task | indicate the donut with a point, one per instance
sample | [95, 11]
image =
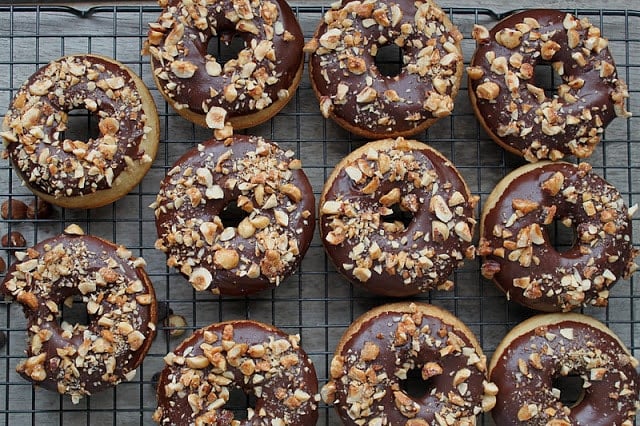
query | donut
[73, 173]
[519, 256]
[266, 237]
[257, 358]
[554, 346]
[390, 343]
[352, 90]
[246, 90]
[77, 359]
[519, 115]
[397, 218]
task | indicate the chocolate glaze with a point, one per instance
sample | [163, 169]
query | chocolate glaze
[237, 167]
[556, 281]
[408, 338]
[121, 308]
[362, 30]
[267, 364]
[271, 21]
[37, 118]
[577, 115]
[610, 376]
[361, 216]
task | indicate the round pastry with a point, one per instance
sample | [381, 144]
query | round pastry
[246, 90]
[235, 216]
[391, 343]
[397, 218]
[551, 347]
[78, 359]
[352, 90]
[518, 253]
[73, 173]
[519, 115]
[257, 358]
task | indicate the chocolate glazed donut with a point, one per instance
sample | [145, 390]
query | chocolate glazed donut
[519, 256]
[397, 218]
[73, 173]
[78, 359]
[246, 90]
[267, 237]
[385, 345]
[258, 358]
[547, 347]
[352, 90]
[516, 113]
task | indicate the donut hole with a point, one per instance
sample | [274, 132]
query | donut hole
[73, 312]
[571, 389]
[225, 48]
[239, 402]
[399, 215]
[562, 235]
[414, 385]
[81, 126]
[388, 60]
[546, 77]
[232, 215]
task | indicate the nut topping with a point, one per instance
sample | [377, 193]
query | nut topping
[488, 91]
[366, 378]
[509, 38]
[381, 243]
[515, 234]
[116, 298]
[566, 42]
[200, 278]
[352, 32]
[210, 364]
[216, 118]
[480, 34]
[69, 168]
[270, 194]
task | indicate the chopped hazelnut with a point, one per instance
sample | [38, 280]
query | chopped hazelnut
[488, 91]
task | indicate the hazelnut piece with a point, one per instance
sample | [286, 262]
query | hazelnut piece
[13, 209]
[13, 239]
[175, 325]
[39, 209]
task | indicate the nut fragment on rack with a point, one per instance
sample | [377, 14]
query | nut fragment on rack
[175, 324]
[13, 239]
[39, 209]
[13, 209]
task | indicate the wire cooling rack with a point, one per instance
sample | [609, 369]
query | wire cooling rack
[315, 302]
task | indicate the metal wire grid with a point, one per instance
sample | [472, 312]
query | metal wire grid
[315, 302]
